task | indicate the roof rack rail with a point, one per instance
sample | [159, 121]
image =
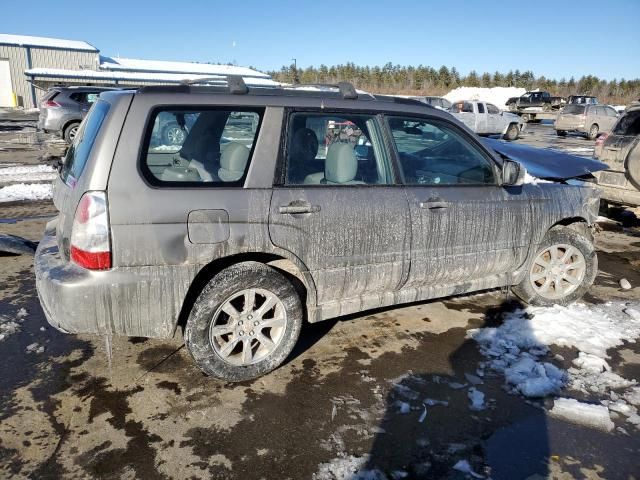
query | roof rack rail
[346, 89]
[235, 83]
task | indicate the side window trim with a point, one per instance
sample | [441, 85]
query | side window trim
[494, 165]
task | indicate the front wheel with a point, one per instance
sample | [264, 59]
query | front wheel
[244, 323]
[561, 133]
[562, 270]
[512, 132]
[593, 132]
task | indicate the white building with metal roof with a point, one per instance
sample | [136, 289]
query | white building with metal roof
[31, 65]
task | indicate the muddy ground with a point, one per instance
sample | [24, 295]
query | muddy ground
[150, 413]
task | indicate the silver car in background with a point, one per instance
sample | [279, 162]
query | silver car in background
[590, 120]
[63, 108]
[487, 119]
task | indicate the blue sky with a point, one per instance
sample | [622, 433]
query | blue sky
[552, 38]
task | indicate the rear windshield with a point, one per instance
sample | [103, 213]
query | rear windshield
[574, 109]
[79, 151]
[629, 124]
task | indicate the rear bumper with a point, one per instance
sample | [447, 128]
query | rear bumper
[140, 301]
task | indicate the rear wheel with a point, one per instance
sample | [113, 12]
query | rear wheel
[562, 270]
[512, 132]
[70, 132]
[526, 117]
[593, 132]
[244, 323]
[561, 133]
[546, 107]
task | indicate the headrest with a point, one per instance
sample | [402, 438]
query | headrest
[341, 164]
[304, 146]
[233, 162]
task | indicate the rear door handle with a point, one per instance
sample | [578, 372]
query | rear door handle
[293, 209]
[434, 204]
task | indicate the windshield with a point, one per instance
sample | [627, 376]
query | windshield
[574, 109]
[79, 151]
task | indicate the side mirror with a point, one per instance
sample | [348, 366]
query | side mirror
[513, 173]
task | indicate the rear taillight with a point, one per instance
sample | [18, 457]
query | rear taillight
[600, 140]
[50, 104]
[90, 234]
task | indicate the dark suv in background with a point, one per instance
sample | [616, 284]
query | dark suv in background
[63, 108]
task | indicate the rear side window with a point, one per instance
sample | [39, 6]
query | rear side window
[481, 108]
[200, 147]
[462, 107]
[574, 109]
[79, 151]
[629, 124]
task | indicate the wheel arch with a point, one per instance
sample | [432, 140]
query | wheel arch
[68, 123]
[292, 269]
[579, 224]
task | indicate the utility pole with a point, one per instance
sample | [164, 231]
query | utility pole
[295, 71]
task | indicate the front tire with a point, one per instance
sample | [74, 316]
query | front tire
[244, 323]
[561, 271]
[512, 132]
[561, 133]
[593, 132]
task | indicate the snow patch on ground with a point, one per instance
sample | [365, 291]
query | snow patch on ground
[496, 95]
[29, 173]
[586, 414]
[347, 468]
[517, 349]
[25, 191]
[9, 326]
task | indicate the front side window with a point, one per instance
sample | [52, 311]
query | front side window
[210, 146]
[436, 153]
[78, 153]
[335, 149]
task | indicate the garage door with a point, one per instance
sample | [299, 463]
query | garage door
[6, 90]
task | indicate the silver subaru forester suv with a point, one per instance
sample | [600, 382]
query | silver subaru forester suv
[284, 205]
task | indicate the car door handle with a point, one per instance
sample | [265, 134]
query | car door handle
[293, 209]
[434, 204]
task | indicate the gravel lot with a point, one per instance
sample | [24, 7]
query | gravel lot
[388, 392]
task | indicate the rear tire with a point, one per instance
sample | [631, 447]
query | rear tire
[512, 132]
[564, 256]
[70, 132]
[227, 333]
[546, 107]
[592, 134]
[561, 133]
